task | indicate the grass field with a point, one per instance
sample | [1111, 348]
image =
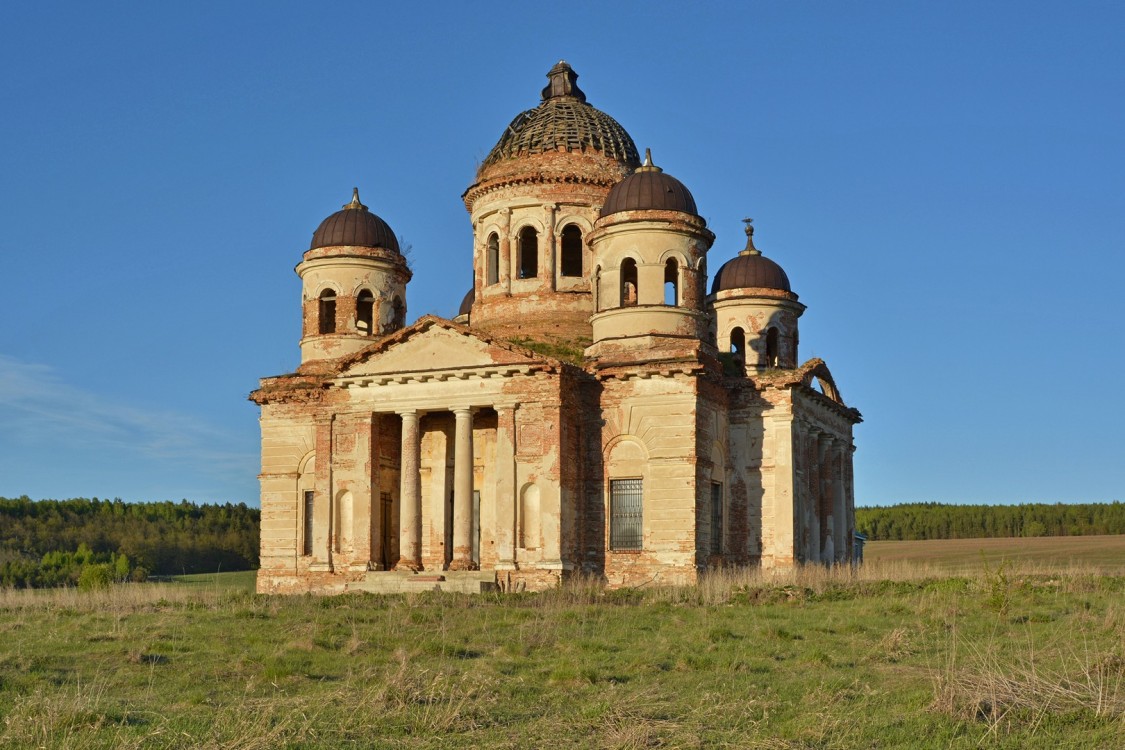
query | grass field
[1105, 554]
[886, 657]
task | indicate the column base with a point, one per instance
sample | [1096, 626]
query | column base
[463, 565]
[409, 565]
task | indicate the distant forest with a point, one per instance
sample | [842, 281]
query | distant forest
[944, 521]
[92, 542]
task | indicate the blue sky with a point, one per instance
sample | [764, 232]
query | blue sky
[943, 182]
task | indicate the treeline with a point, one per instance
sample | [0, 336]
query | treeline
[911, 521]
[54, 542]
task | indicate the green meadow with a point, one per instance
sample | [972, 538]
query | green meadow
[894, 655]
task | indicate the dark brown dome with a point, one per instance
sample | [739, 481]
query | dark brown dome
[354, 225]
[649, 188]
[467, 303]
[750, 270]
[564, 122]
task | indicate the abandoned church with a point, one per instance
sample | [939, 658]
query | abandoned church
[600, 406]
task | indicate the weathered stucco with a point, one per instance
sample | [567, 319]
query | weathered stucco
[487, 453]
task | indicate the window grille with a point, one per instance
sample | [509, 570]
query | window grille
[625, 514]
[716, 518]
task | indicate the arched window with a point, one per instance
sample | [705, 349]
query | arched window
[738, 345]
[628, 282]
[327, 312]
[771, 348]
[493, 259]
[529, 253]
[571, 251]
[365, 312]
[671, 282]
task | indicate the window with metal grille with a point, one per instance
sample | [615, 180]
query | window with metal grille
[308, 537]
[716, 518]
[625, 514]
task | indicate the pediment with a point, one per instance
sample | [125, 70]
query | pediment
[431, 346]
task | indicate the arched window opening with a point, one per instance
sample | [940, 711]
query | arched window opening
[306, 497]
[738, 345]
[671, 282]
[327, 312]
[734, 360]
[529, 253]
[628, 282]
[493, 260]
[365, 312]
[772, 348]
[571, 251]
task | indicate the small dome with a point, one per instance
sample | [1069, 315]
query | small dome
[649, 188]
[750, 269]
[467, 303]
[564, 122]
[354, 225]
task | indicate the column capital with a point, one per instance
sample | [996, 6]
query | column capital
[463, 410]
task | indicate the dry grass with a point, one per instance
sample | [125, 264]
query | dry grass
[816, 657]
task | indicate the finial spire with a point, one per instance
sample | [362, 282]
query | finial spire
[750, 249]
[563, 82]
[355, 200]
[648, 166]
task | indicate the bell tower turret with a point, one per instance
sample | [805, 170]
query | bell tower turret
[353, 284]
[756, 311]
[649, 249]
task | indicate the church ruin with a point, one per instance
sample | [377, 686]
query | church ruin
[593, 409]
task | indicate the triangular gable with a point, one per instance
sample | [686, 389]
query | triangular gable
[433, 344]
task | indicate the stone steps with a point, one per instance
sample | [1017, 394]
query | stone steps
[404, 581]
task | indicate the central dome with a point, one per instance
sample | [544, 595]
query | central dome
[564, 122]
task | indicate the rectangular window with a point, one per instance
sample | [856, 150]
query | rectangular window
[308, 530]
[625, 514]
[716, 518]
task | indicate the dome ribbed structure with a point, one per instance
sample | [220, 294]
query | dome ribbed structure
[649, 188]
[354, 225]
[750, 270]
[564, 122]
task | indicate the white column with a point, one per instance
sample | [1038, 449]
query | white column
[410, 495]
[549, 262]
[463, 491]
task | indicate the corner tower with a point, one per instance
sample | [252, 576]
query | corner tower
[353, 284]
[756, 311]
[534, 202]
[649, 252]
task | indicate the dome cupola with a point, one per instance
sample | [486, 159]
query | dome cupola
[563, 121]
[354, 225]
[533, 203]
[755, 312]
[750, 270]
[353, 284]
[649, 188]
